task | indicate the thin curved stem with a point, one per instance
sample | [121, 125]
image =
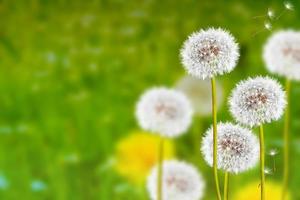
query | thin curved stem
[262, 162]
[160, 168]
[226, 185]
[215, 138]
[286, 141]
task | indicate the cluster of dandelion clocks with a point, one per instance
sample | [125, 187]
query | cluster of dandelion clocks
[207, 54]
[254, 102]
[281, 54]
[181, 181]
[229, 147]
[165, 112]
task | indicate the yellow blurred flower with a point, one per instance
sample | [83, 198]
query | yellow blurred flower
[137, 153]
[252, 191]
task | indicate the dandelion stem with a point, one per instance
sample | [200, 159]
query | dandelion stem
[286, 141]
[160, 168]
[215, 138]
[262, 162]
[226, 185]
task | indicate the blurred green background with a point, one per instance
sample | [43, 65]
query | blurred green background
[70, 75]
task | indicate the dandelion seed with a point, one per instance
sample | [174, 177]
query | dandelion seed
[281, 54]
[164, 111]
[288, 5]
[268, 26]
[208, 53]
[181, 181]
[270, 13]
[268, 171]
[273, 152]
[256, 101]
[238, 148]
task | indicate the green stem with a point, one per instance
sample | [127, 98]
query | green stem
[262, 162]
[286, 141]
[215, 138]
[160, 168]
[226, 185]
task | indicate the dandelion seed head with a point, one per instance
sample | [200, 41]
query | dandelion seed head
[257, 101]
[164, 111]
[238, 148]
[281, 54]
[180, 181]
[199, 93]
[210, 52]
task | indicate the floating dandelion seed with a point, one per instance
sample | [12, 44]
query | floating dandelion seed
[164, 111]
[210, 52]
[181, 181]
[268, 171]
[256, 101]
[288, 5]
[238, 148]
[270, 13]
[281, 54]
[273, 152]
[268, 26]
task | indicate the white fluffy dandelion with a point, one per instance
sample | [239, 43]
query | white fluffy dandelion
[256, 101]
[180, 181]
[199, 93]
[210, 52]
[238, 148]
[282, 54]
[164, 111]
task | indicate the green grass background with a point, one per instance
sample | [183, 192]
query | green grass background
[71, 72]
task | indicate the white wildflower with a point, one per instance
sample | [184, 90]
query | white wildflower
[210, 52]
[256, 101]
[164, 111]
[180, 181]
[238, 148]
[282, 54]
